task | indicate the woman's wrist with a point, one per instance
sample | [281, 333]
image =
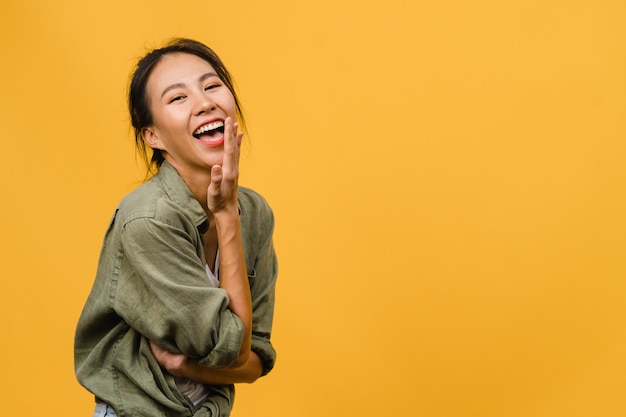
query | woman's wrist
[227, 217]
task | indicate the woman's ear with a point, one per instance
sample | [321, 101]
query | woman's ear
[151, 137]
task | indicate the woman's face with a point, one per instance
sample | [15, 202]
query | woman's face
[189, 104]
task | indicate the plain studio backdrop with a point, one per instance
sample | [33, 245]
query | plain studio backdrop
[448, 179]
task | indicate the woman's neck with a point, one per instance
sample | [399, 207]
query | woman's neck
[198, 182]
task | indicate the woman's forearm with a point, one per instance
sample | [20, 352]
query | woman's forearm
[249, 372]
[234, 278]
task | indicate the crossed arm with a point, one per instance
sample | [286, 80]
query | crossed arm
[178, 364]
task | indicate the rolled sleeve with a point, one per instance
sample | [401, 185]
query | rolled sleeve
[262, 287]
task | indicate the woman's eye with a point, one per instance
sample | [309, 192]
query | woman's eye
[211, 86]
[176, 98]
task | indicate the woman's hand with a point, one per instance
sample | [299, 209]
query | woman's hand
[174, 363]
[222, 192]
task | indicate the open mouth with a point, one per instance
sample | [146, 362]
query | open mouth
[210, 131]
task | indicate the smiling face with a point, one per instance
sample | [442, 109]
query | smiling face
[189, 103]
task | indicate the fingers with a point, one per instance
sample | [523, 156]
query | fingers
[222, 191]
[159, 353]
[172, 362]
[155, 348]
[215, 187]
[238, 133]
[232, 141]
[216, 178]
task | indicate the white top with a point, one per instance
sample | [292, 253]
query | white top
[214, 278]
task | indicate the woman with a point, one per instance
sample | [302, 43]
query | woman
[182, 303]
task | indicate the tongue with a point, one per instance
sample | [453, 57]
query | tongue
[210, 135]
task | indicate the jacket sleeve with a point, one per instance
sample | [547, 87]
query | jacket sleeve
[262, 288]
[163, 292]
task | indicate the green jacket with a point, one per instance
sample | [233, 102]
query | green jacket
[151, 284]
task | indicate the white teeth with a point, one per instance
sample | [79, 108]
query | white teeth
[210, 126]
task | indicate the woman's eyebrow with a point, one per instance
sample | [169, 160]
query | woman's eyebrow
[202, 78]
[171, 87]
[207, 75]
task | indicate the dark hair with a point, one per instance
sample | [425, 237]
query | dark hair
[138, 100]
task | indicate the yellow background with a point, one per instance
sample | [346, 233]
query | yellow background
[448, 179]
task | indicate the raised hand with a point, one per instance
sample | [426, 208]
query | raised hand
[222, 192]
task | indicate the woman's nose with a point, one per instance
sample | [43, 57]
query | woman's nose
[204, 104]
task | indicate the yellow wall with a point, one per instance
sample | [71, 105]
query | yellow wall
[448, 178]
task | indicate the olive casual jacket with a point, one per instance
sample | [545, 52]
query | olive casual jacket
[151, 284]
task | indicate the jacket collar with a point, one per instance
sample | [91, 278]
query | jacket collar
[179, 192]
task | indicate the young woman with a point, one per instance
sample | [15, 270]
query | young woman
[181, 307]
